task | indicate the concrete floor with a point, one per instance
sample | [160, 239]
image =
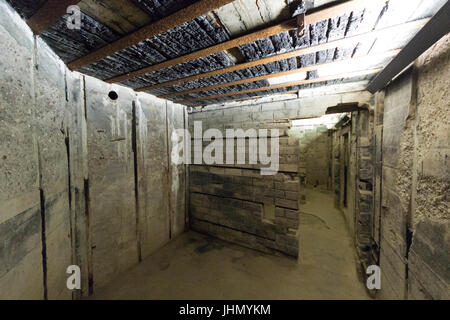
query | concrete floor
[195, 266]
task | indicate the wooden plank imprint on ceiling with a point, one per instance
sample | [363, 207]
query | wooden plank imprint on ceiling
[187, 14]
[296, 53]
[334, 64]
[284, 26]
[287, 85]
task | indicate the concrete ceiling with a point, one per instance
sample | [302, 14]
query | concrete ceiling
[106, 21]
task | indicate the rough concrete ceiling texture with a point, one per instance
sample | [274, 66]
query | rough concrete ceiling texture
[105, 21]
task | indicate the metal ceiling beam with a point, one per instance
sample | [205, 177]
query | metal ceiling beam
[264, 33]
[50, 12]
[296, 53]
[360, 59]
[435, 29]
[286, 85]
[178, 18]
[310, 18]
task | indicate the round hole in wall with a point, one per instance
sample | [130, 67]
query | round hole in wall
[113, 95]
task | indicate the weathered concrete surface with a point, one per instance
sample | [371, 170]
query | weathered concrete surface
[344, 154]
[21, 275]
[378, 164]
[153, 168]
[433, 132]
[78, 170]
[176, 120]
[67, 187]
[314, 153]
[414, 215]
[396, 186]
[35, 209]
[350, 211]
[51, 128]
[428, 265]
[112, 203]
[429, 261]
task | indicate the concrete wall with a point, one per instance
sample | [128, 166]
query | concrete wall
[414, 214]
[364, 207]
[234, 202]
[396, 175]
[399, 180]
[21, 267]
[314, 153]
[343, 154]
[112, 206]
[429, 260]
[35, 214]
[176, 119]
[85, 179]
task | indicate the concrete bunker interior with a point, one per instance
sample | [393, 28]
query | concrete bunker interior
[94, 111]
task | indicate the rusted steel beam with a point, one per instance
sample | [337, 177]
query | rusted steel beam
[349, 61]
[286, 85]
[311, 18]
[296, 53]
[50, 12]
[264, 33]
[187, 14]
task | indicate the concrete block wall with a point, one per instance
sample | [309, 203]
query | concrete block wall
[80, 172]
[235, 202]
[314, 156]
[112, 209]
[240, 205]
